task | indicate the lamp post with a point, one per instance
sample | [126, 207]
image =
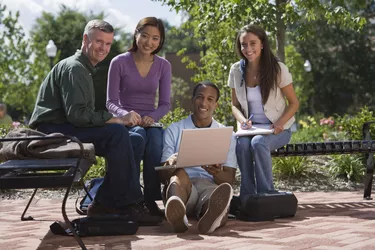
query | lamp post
[307, 66]
[51, 51]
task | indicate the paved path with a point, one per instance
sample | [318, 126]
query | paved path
[332, 220]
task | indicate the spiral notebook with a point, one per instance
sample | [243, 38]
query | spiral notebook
[258, 129]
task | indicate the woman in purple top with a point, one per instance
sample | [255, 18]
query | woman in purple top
[133, 80]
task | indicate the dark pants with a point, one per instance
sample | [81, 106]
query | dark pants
[121, 185]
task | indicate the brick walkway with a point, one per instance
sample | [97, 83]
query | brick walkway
[332, 220]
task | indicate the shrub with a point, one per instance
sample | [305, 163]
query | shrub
[173, 116]
[310, 131]
[349, 166]
[352, 125]
[96, 170]
[5, 129]
[295, 166]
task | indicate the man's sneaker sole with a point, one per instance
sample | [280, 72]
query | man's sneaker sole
[175, 213]
[217, 208]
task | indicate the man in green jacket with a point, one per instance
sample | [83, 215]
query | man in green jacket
[65, 104]
[5, 119]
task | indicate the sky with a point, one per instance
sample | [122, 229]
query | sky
[119, 13]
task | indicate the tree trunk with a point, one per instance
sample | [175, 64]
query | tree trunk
[280, 29]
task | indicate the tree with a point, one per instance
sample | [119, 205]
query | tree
[16, 67]
[178, 39]
[343, 65]
[215, 24]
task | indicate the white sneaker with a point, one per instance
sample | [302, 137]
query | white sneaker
[218, 205]
[175, 212]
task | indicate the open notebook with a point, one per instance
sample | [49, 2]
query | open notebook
[204, 146]
[258, 129]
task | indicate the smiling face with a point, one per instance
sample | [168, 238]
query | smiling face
[204, 105]
[148, 40]
[96, 45]
[251, 46]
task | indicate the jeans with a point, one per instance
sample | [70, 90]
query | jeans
[153, 139]
[121, 185]
[255, 163]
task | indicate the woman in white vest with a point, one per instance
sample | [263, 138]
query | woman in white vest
[260, 84]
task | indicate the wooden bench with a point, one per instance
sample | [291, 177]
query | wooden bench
[365, 146]
[45, 173]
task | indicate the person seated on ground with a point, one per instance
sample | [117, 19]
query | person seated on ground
[134, 79]
[5, 119]
[204, 191]
[65, 104]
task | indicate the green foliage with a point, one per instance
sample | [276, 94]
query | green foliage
[348, 166]
[16, 68]
[352, 125]
[302, 80]
[311, 131]
[97, 170]
[173, 116]
[4, 130]
[341, 80]
[295, 166]
[177, 39]
[65, 29]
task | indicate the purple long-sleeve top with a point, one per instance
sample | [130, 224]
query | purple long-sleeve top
[127, 90]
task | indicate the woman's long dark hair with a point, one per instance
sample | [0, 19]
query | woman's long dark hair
[149, 21]
[269, 68]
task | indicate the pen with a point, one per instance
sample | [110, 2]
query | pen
[250, 117]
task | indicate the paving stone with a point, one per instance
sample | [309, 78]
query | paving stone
[324, 220]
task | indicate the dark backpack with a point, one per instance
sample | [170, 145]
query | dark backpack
[92, 186]
[107, 225]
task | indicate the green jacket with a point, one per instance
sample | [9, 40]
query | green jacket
[6, 120]
[67, 95]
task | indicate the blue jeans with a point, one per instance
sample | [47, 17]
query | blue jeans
[255, 163]
[153, 139]
[121, 185]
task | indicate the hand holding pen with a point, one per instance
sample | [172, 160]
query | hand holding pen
[247, 123]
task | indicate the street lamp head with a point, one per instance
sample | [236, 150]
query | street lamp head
[307, 66]
[51, 49]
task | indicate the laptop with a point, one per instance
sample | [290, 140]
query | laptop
[204, 146]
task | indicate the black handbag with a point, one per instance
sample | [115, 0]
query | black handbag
[265, 207]
[107, 225]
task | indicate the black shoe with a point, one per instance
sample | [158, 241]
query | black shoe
[142, 215]
[154, 208]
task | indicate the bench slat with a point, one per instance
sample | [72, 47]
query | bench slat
[39, 164]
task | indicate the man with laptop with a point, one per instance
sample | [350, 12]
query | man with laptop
[204, 191]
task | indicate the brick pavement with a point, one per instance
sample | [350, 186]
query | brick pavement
[331, 220]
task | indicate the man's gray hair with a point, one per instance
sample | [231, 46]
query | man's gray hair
[98, 24]
[3, 107]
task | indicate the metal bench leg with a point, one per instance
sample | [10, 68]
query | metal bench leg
[23, 218]
[368, 176]
[67, 221]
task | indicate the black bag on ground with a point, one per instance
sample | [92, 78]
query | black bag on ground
[265, 207]
[92, 186]
[107, 225]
